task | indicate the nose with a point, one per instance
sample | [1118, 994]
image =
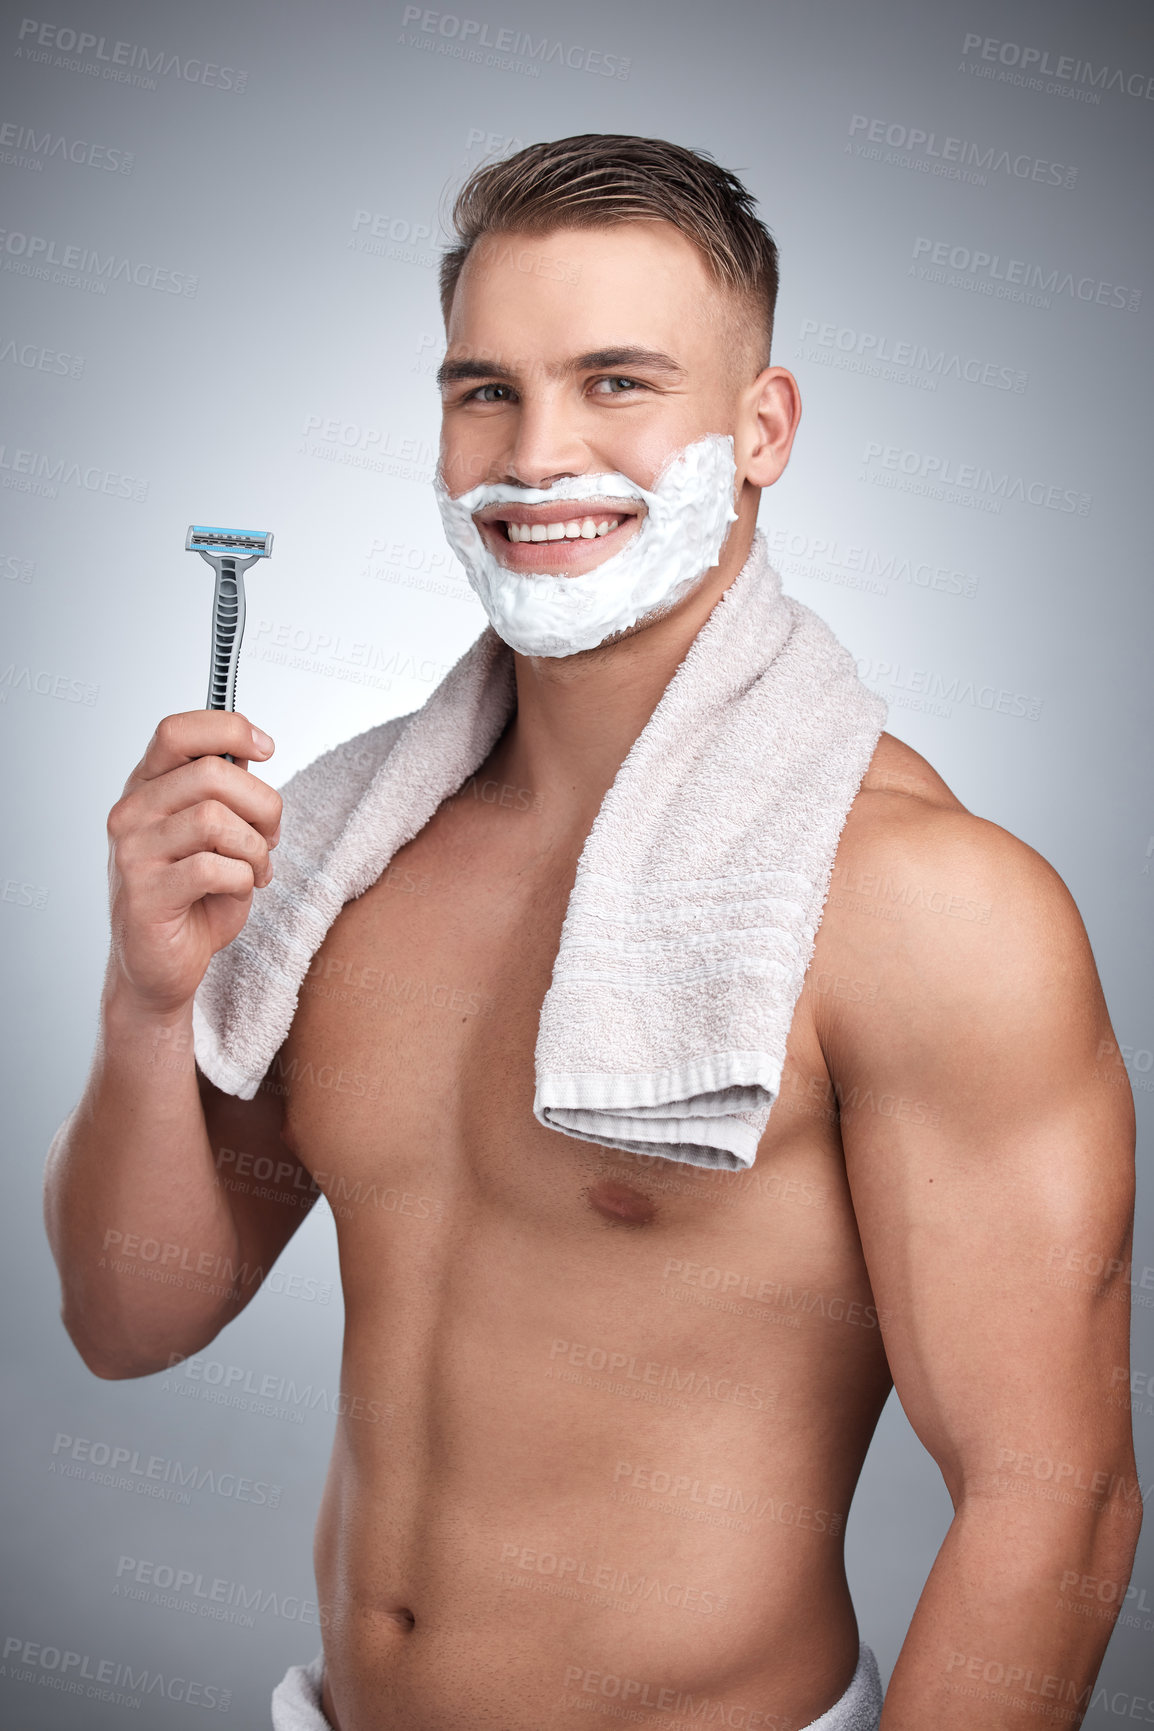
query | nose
[546, 445]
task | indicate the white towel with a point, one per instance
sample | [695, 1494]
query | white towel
[296, 1700]
[697, 897]
[860, 1708]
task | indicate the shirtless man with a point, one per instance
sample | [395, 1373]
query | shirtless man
[953, 1117]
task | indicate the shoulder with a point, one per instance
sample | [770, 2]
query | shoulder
[911, 844]
[946, 914]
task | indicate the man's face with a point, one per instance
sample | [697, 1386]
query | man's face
[580, 352]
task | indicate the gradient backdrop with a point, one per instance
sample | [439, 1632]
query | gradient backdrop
[219, 236]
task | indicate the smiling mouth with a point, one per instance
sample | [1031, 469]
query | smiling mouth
[565, 530]
[574, 529]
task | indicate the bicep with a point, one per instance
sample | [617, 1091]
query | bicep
[269, 1191]
[989, 1148]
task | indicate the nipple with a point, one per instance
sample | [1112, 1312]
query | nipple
[620, 1203]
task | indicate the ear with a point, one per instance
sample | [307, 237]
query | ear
[767, 418]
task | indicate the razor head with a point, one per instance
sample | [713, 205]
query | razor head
[231, 543]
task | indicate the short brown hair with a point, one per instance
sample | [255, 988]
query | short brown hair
[599, 178]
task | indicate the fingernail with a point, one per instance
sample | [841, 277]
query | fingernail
[262, 741]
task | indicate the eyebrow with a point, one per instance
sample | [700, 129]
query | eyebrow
[597, 360]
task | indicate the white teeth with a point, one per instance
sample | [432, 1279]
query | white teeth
[577, 529]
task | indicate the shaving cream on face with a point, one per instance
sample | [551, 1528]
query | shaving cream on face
[680, 538]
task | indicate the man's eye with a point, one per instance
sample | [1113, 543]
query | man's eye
[480, 394]
[620, 387]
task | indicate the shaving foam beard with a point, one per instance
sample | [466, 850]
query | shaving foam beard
[680, 538]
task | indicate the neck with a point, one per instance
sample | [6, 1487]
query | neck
[578, 715]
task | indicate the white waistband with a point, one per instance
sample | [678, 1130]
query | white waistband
[296, 1700]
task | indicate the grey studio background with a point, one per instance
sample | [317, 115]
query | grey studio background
[219, 306]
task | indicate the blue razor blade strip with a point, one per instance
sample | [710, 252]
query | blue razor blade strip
[230, 540]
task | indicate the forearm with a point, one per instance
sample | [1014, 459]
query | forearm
[1014, 1619]
[140, 1228]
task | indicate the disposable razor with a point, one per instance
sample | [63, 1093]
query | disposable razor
[230, 552]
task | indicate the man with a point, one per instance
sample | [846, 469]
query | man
[524, 1541]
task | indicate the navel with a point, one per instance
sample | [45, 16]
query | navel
[620, 1203]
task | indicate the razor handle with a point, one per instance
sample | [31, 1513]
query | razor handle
[227, 631]
[230, 552]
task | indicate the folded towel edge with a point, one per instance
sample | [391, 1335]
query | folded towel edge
[214, 1062]
[734, 1149]
[754, 1073]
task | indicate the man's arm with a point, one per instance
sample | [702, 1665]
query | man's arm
[988, 1132]
[156, 1253]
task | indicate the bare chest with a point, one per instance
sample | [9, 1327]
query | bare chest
[410, 1070]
